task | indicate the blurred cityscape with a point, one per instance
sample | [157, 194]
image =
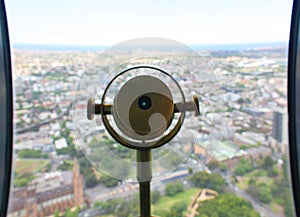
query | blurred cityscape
[248, 175]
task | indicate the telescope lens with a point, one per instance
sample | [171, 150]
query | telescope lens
[144, 103]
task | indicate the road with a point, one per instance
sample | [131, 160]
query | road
[45, 122]
[101, 193]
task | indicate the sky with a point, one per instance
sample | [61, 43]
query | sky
[97, 22]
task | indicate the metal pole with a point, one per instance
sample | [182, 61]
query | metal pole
[144, 175]
[145, 204]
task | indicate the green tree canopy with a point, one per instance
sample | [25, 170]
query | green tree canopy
[226, 205]
[174, 188]
[213, 181]
[177, 210]
[155, 195]
[243, 167]
[29, 153]
[108, 181]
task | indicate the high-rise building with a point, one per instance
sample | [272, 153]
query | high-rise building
[280, 128]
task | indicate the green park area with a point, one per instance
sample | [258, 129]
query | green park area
[262, 180]
[25, 169]
[23, 166]
[257, 176]
[164, 206]
[165, 203]
[175, 200]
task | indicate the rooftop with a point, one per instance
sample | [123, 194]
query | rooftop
[221, 150]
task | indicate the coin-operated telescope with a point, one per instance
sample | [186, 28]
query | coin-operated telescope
[141, 117]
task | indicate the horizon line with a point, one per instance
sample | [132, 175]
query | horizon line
[192, 44]
[195, 47]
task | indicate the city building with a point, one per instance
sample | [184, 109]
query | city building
[51, 192]
[222, 151]
[279, 139]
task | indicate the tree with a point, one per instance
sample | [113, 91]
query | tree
[122, 151]
[170, 190]
[108, 206]
[28, 153]
[155, 195]
[23, 180]
[70, 141]
[261, 191]
[213, 164]
[273, 171]
[70, 213]
[243, 167]
[264, 194]
[108, 181]
[223, 167]
[56, 214]
[172, 160]
[62, 151]
[287, 195]
[72, 150]
[63, 124]
[177, 210]
[90, 180]
[65, 166]
[86, 170]
[174, 188]
[119, 207]
[80, 154]
[227, 205]
[251, 181]
[268, 162]
[122, 209]
[213, 181]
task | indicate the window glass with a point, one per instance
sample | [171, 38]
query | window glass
[245, 45]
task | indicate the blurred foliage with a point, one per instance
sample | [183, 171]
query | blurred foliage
[62, 151]
[174, 188]
[212, 181]
[243, 167]
[29, 153]
[86, 170]
[226, 205]
[68, 213]
[260, 190]
[23, 180]
[65, 166]
[108, 181]
[119, 207]
[176, 210]
[155, 195]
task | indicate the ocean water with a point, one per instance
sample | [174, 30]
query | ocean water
[211, 47]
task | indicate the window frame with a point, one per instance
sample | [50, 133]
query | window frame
[294, 104]
[6, 112]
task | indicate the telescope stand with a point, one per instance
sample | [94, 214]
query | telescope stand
[144, 175]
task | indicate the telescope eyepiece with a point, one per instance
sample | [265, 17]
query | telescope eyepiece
[144, 102]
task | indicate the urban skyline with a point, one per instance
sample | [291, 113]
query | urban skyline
[250, 89]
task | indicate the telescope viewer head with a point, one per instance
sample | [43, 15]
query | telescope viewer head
[143, 108]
